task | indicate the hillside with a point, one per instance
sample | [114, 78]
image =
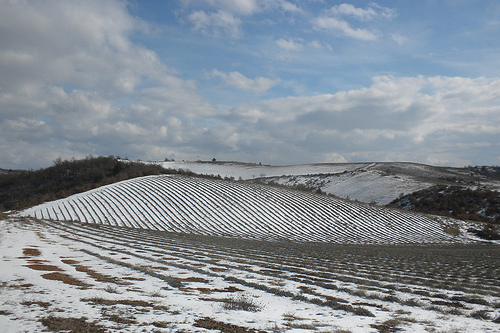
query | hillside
[227, 208]
[380, 183]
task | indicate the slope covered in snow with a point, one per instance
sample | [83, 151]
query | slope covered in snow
[227, 208]
[379, 183]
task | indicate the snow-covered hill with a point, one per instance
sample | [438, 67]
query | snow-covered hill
[235, 209]
[378, 183]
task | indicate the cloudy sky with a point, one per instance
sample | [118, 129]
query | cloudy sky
[271, 81]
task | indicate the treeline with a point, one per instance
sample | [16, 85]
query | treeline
[454, 201]
[24, 189]
[492, 172]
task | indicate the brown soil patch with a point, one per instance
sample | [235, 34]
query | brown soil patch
[69, 261]
[65, 278]
[133, 278]
[43, 267]
[31, 252]
[36, 261]
[40, 235]
[218, 269]
[194, 279]
[98, 276]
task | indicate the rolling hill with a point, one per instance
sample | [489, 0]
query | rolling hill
[206, 206]
[377, 182]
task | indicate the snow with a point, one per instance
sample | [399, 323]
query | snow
[379, 183]
[235, 209]
[141, 264]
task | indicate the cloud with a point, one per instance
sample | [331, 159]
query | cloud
[72, 88]
[373, 11]
[290, 44]
[216, 24]
[224, 17]
[245, 7]
[240, 7]
[73, 83]
[399, 39]
[332, 23]
[403, 118]
[237, 80]
[335, 19]
[349, 10]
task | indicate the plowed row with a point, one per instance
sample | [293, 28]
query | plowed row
[223, 208]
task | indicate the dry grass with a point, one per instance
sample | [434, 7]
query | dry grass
[240, 301]
[212, 324]
[93, 274]
[65, 278]
[392, 325]
[129, 302]
[218, 269]
[230, 289]
[74, 325]
[39, 303]
[98, 276]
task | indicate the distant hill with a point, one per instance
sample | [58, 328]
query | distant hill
[381, 183]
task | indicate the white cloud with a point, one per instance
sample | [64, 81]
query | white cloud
[373, 11]
[399, 39]
[408, 118]
[216, 24]
[71, 77]
[237, 80]
[335, 19]
[245, 7]
[290, 44]
[349, 10]
[241, 7]
[332, 23]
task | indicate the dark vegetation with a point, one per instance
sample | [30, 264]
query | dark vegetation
[492, 172]
[458, 202]
[454, 201]
[23, 189]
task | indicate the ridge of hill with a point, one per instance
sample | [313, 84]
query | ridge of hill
[382, 183]
[215, 207]
[375, 182]
[20, 189]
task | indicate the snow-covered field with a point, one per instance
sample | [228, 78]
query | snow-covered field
[227, 208]
[185, 254]
[101, 278]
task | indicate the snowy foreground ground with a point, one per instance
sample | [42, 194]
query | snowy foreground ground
[71, 276]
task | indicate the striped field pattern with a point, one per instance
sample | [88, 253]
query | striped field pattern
[235, 209]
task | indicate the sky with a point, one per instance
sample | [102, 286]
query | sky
[273, 81]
